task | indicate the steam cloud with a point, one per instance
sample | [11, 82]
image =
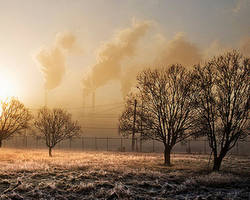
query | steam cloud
[178, 50]
[116, 60]
[111, 54]
[53, 59]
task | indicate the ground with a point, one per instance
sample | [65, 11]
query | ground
[32, 174]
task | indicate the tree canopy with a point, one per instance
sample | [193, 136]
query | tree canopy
[14, 117]
[56, 125]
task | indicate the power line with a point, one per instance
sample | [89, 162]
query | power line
[116, 105]
[101, 105]
[89, 127]
[110, 109]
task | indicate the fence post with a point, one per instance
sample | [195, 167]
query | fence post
[188, 147]
[107, 143]
[70, 140]
[36, 142]
[136, 141]
[82, 143]
[140, 144]
[95, 144]
[153, 145]
[237, 148]
[121, 145]
[25, 141]
[205, 147]
[15, 141]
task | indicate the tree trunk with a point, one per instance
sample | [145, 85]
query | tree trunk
[218, 159]
[1, 143]
[50, 151]
[167, 152]
[217, 163]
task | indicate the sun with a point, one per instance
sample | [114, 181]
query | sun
[7, 88]
[6, 91]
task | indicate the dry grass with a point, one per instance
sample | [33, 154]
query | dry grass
[99, 175]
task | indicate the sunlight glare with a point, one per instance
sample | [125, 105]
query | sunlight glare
[7, 88]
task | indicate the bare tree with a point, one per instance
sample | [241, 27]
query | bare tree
[222, 99]
[14, 118]
[56, 125]
[166, 94]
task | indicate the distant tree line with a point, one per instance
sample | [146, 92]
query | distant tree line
[173, 103]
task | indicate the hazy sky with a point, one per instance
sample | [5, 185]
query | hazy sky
[27, 26]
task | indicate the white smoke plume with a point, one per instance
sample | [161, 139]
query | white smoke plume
[177, 50]
[53, 59]
[122, 58]
[111, 54]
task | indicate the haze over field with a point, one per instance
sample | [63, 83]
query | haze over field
[86, 54]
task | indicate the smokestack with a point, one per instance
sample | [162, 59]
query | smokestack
[84, 104]
[93, 101]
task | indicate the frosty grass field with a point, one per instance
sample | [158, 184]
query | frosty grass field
[32, 174]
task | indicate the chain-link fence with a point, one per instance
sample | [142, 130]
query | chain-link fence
[242, 147]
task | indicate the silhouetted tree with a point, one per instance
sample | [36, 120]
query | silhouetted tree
[56, 125]
[222, 100]
[166, 94]
[14, 118]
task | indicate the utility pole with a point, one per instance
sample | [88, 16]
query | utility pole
[133, 134]
[141, 126]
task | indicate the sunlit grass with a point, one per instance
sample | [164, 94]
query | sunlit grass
[11, 159]
[32, 174]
